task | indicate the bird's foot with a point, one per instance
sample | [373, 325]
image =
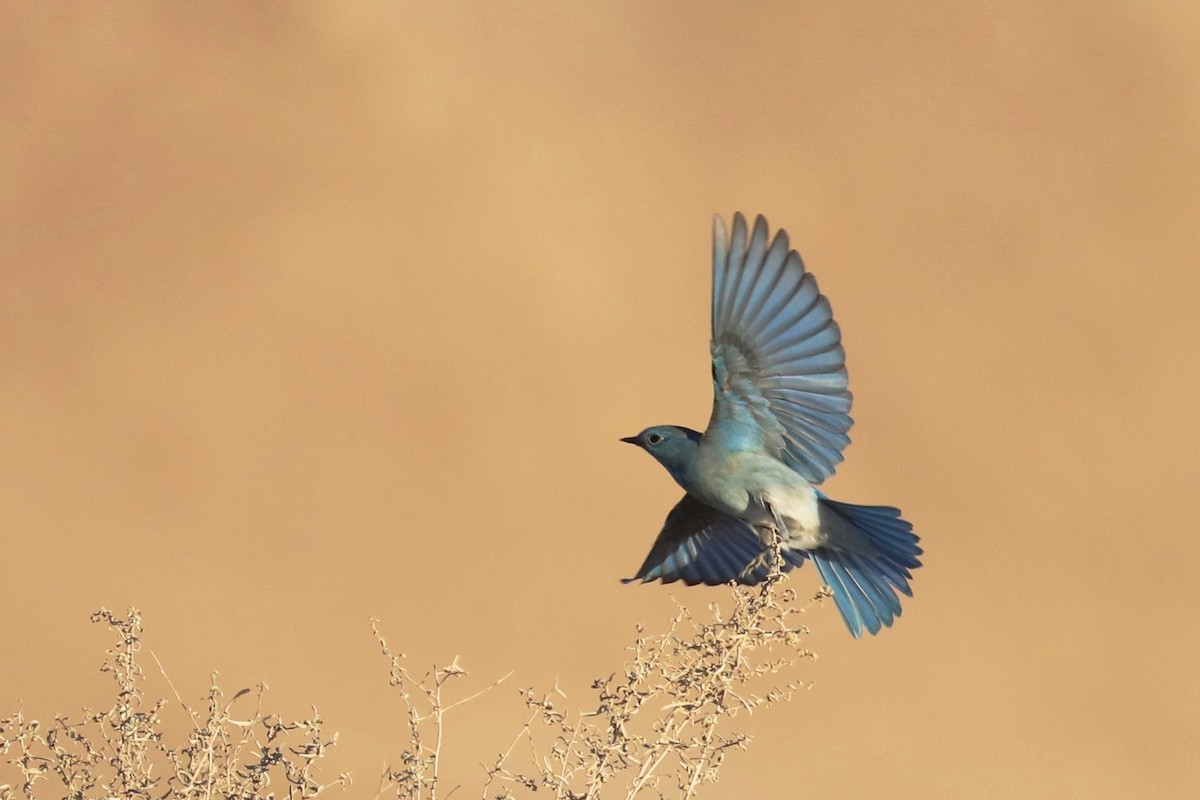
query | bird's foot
[771, 557]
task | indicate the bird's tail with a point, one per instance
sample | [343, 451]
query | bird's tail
[865, 575]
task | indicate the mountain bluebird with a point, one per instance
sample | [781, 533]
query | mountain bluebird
[778, 426]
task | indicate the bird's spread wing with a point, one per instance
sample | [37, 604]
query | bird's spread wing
[779, 370]
[699, 544]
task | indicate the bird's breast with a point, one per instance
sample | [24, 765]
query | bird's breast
[750, 485]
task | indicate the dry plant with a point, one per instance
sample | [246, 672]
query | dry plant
[123, 751]
[660, 727]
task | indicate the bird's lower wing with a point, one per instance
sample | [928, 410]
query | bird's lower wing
[699, 544]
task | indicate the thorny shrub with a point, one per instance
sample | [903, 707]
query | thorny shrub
[123, 751]
[660, 727]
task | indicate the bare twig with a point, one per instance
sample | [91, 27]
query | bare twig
[123, 751]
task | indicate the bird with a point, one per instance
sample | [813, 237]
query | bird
[779, 423]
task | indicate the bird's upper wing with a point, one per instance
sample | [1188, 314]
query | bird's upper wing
[779, 370]
[699, 544]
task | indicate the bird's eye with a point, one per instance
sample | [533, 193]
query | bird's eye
[653, 438]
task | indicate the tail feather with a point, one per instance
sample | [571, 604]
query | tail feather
[865, 579]
[877, 590]
[857, 609]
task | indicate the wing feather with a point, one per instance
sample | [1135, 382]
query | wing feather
[779, 369]
[699, 544]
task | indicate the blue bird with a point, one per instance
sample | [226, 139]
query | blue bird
[779, 422]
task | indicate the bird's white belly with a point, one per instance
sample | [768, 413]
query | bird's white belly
[800, 516]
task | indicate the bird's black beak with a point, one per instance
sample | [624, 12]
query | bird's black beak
[631, 440]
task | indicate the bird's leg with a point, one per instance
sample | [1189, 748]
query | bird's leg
[771, 536]
[773, 547]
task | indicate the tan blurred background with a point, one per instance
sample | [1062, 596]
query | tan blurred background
[313, 314]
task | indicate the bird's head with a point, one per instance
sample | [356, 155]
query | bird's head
[672, 446]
